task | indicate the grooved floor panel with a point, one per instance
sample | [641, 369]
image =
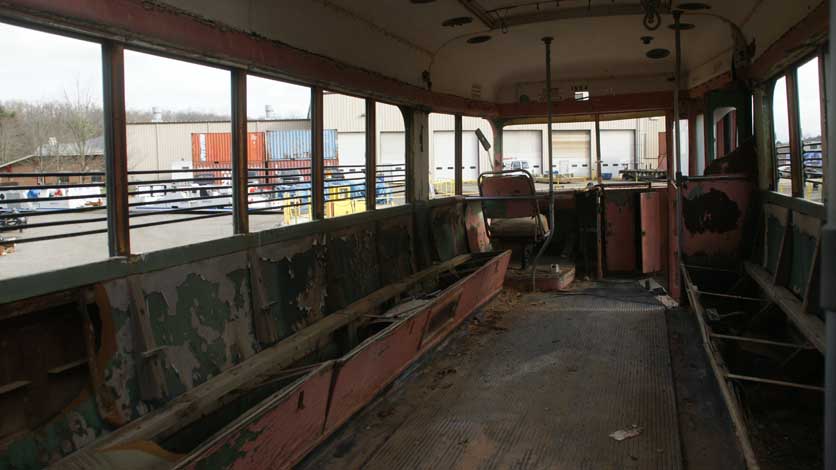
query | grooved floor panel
[538, 383]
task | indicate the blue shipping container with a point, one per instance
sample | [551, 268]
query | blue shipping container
[296, 144]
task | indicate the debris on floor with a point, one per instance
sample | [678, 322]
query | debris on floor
[628, 433]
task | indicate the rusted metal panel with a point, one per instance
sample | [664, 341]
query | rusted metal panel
[651, 232]
[274, 435]
[373, 365]
[620, 219]
[447, 227]
[353, 265]
[714, 213]
[395, 248]
[483, 285]
[288, 282]
[477, 234]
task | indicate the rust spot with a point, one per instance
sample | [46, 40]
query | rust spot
[713, 211]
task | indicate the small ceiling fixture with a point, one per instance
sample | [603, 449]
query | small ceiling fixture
[457, 21]
[478, 39]
[658, 53]
[693, 6]
[682, 26]
[646, 39]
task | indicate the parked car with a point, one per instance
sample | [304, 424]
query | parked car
[515, 165]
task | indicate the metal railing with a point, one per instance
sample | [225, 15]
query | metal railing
[33, 210]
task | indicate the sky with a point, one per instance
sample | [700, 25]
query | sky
[42, 67]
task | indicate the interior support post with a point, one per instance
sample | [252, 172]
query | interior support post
[317, 154]
[828, 274]
[116, 149]
[796, 160]
[240, 214]
[457, 156]
[371, 152]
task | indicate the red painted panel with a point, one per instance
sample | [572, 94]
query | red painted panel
[277, 433]
[367, 369]
[479, 288]
[651, 231]
[477, 235]
[620, 235]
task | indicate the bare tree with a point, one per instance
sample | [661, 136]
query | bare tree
[82, 119]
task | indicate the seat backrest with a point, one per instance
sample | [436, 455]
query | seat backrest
[508, 183]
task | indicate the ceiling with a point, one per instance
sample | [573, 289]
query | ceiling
[597, 43]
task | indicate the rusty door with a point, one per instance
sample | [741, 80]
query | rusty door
[650, 212]
[620, 241]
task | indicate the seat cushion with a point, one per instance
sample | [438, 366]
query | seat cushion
[520, 227]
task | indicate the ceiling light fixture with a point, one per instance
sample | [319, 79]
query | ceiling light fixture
[457, 21]
[478, 39]
[682, 26]
[693, 6]
[658, 53]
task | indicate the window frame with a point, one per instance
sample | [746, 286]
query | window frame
[797, 177]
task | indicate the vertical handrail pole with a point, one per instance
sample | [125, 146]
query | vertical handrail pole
[678, 79]
[240, 157]
[598, 148]
[116, 149]
[548, 42]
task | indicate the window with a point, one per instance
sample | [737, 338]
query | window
[391, 157]
[51, 124]
[345, 154]
[179, 151]
[781, 133]
[442, 155]
[522, 148]
[810, 122]
[279, 153]
[477, 152]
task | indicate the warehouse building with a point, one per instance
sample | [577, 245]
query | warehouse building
[626, 143]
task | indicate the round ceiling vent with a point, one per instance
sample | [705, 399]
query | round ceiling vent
[479, 39]
[457, 21]
[658, 53]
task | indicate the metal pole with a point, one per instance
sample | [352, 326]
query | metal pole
[598, 148]
[828, 273]
[548, 42]
[371, 154]
[116, 150]
[678, 33]
[240, 206]
[457, 156]
[317, 155]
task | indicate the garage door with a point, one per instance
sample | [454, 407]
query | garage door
[618, 151]
[351, 148]
[571, 152]
[524, 145]
[392, 148]
[443, 156]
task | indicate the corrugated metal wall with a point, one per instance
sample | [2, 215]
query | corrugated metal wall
[296, 144]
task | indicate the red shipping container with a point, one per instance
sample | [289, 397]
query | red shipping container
[216, 147]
